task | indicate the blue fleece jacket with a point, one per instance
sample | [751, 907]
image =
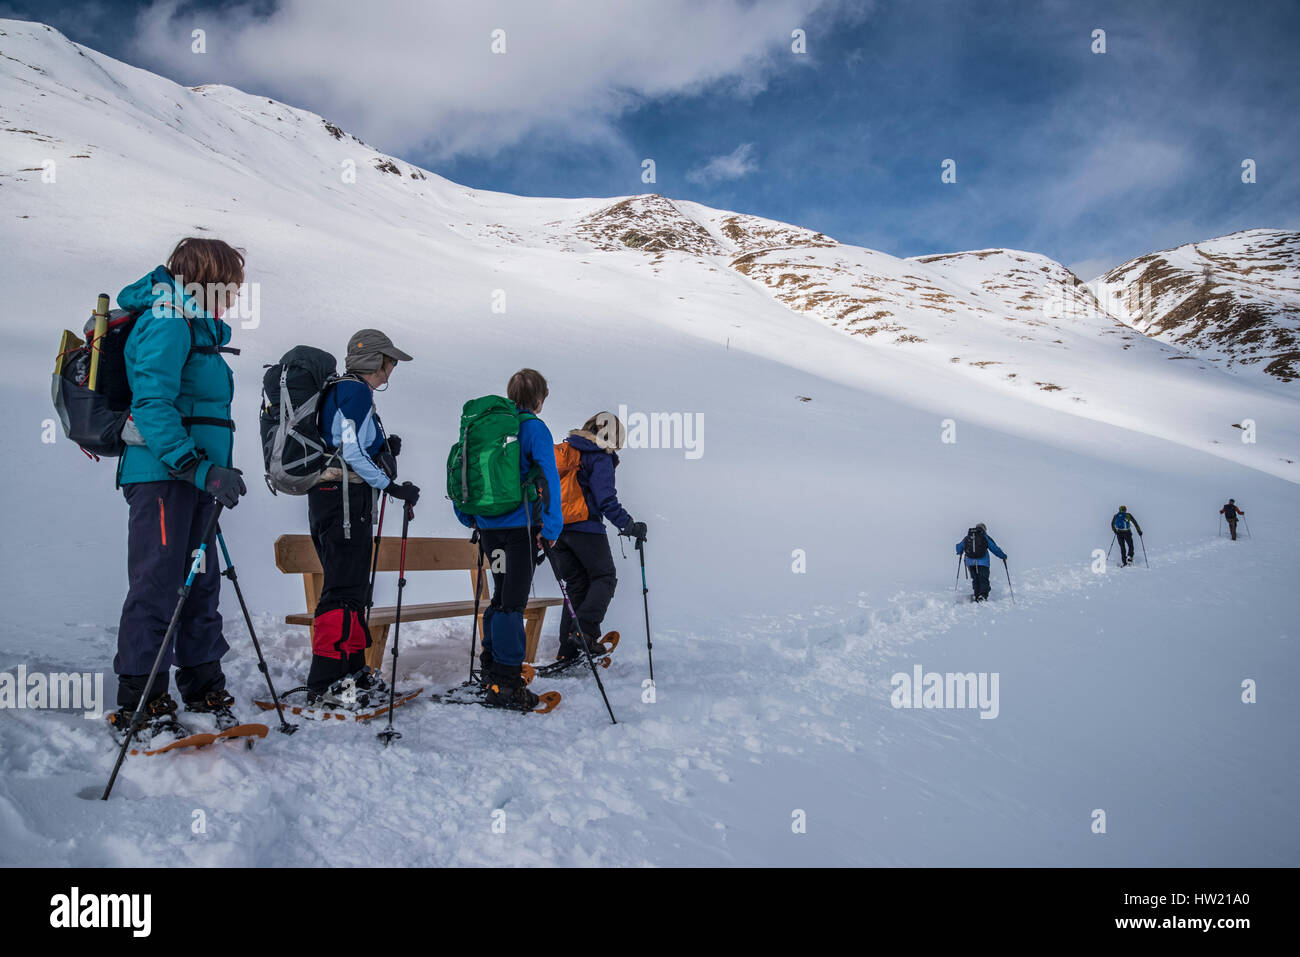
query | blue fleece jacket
[536, 448]
[993, 549]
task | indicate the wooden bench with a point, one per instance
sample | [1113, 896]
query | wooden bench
[296, 555]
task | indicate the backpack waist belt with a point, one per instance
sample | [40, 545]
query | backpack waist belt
[208, 420]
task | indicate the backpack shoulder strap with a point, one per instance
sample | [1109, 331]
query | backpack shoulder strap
[322, 398]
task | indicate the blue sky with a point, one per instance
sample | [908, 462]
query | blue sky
[1088, 158]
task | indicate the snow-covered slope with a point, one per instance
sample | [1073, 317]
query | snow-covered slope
[795, 564]
[1233, 300]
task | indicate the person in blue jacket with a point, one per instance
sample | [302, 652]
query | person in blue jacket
[1120, 526]
[340, 511]
[582, 556]
[976, 547]
[176, 467]
[511, 543]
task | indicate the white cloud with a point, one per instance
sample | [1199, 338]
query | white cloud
[408, 74]
[739, 162]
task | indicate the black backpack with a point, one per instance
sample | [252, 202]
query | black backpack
[95, 419]
[1230, 512]
[976, 544]
[293, 449]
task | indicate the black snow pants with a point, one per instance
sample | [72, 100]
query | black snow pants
[163, 532]
[510, 555]
[585, 562]
[1125, 538]
[339, 636]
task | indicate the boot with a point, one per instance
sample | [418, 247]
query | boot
[217, 704]
[485, 665]
[506, 689]
[158, 724]
[576, 644]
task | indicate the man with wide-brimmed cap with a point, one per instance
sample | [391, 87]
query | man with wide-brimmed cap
[341, 512]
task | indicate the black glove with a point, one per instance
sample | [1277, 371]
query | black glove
[225, 485]
[394, 445]
[406, 492]
[635, 530]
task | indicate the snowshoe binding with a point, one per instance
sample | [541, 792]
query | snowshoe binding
[342, 695]
[158, 725]
[575, 650]
[217, 705]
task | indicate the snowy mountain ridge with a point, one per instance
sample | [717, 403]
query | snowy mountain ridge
[1233, 300]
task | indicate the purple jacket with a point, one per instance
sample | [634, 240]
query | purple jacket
[596, 479]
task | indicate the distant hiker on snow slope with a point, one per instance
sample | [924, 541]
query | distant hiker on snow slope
[587, 459]
[512, 541]
[1230, 512]
[1120, 526]
[175, 469]
[343, 542]
[976, 547]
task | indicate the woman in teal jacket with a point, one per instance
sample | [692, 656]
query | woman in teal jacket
[176, 467]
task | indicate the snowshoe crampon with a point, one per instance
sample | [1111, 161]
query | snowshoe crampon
[547, 701]
[561, 665]
[295, 701]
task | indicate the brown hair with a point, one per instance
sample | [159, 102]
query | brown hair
[527, 389]
[206, 261]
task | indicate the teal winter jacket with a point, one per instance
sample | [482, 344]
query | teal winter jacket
[180, 399]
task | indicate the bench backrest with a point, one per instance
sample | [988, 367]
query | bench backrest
[296, 555]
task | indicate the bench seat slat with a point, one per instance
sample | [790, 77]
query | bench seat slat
[425, 612]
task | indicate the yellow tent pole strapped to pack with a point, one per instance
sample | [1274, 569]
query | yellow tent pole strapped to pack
[101, 326]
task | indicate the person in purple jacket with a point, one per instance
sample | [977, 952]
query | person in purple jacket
[582, 554]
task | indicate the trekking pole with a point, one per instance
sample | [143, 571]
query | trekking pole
[1220, 526]
[285, 726]
[388, 735]
[1112, 545]
[957, 580]
[1243, 518]
[574, 615]
[1009, 588]
[166, 643]
[478, 590]
[645, 599]
[1144, 549]
[374, 560]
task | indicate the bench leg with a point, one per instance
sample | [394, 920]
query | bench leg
[375, 653]
[532, 633]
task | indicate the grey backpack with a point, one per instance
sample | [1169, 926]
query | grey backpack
[293, 448]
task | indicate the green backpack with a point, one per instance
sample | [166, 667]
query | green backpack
[483, 467]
